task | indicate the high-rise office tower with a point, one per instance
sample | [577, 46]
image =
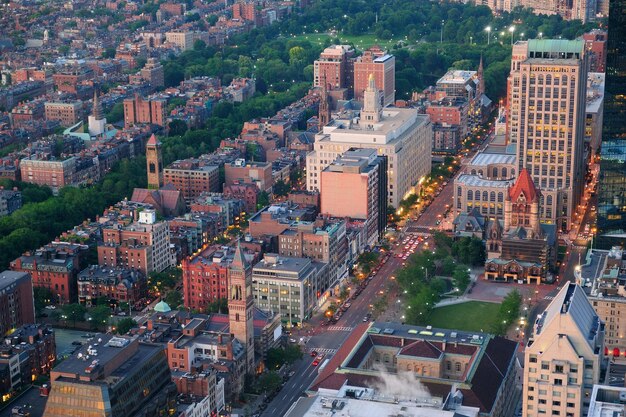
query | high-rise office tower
[546, 98]
[612, 180]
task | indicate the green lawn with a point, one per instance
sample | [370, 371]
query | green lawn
[470, 316]
[361, 42]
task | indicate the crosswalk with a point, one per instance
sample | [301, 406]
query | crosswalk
[340, 328]
[325, 351]
[548, 297]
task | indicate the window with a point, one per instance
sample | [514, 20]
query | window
[545, 365]
[533, 359]
[558, 381]
[558, 369]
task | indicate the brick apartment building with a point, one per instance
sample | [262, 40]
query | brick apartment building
[120, 284]
[55, 267]
[383, 66]
[140, 110]
[66, 112]
[16, 300]
[258, 173]
[192, 178]
[143, 245]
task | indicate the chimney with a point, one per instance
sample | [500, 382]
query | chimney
[443, 345]
[219, 338]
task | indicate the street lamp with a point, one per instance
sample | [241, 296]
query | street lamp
[512, 30]
[488, 29]
[540, 35]
[442, 22]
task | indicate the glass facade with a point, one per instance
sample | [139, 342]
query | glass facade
[612, 180]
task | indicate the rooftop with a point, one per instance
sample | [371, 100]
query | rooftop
[607, 401]
[456, 77]
[476, 181]
[10, 278]
[274, 262]
[484, 159]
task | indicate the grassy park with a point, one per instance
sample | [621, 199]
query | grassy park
[470, 316]
[362, 42]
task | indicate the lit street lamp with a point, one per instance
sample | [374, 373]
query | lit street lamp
[488, 29]
[512, 30]
[441, 40]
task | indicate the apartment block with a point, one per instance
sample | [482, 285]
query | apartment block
[120, 284]
[546, 99]
[382, 66]
[243, 172]
[334, 66]
[153, 73]
[16, 300]
[10, 200]
[54, 267]
[450, 120]
[68, 113]
[192, 177]
[139, 110]
[563, 357]
[143, 245]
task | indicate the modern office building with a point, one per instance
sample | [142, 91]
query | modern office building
[547, 103]
[563, 357]
[400, 134]
[286, 285]
[355, 186]
[112, 376]
[612, 180]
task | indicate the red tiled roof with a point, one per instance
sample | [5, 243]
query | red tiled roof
[525, 184]
[153, 140]
[421, 349]
[459, 349]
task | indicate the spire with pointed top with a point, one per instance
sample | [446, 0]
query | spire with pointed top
[239, 260]
[324, 107]
[371, 83]
[480, 76]
[97, 107]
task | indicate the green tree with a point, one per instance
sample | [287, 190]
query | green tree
[123, 326]
[74, 312]
[281, 188]
[100, 316]
[269, 382]
[461, 278]
[116, 113]
[218, 306]
[174, 299]
[42, 297]
[177, 127]
[262, 200]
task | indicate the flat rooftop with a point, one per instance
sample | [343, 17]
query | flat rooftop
[483, 159]
[283, 263]
[476, 181]
[9, 278]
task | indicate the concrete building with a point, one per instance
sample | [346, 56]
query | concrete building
[607, 401]
[120, 284]
[334, 66]
[140, 110]
[243, 172]
[584, 10]
[192, 177]
[355, 186]
[143, 244]
[546, 99]
[68, 113]
[382, 66]
[446, 370]
[287, 286]
[183, 39]
[563, 357]
[113, 376]
[16, 300]
[153, 73]
[402, 135]
[54, 267]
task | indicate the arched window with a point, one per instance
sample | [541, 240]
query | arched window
[473, 172]
[485, 196]
[492, 196]
[500, 197]
[504, 171]
[459, 191]
[495, 172]
[549, 200]
[470, 195]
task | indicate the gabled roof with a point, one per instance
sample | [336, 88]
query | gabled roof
[524, 184]
[421, 349]
[153, 141]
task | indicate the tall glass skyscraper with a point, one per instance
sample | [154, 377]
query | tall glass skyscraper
[612, 181]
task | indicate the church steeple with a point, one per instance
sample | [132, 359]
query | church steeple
[481, 79]
[324, 107]
[97, 107]
[96, 121]
[241, 304]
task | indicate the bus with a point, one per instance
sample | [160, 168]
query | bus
[323, 365]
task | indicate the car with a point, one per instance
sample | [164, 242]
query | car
[292, 340]
[291, 373]
[365, 319]
[50, 307]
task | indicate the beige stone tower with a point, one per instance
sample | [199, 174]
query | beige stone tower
[241, 305]
[154, 161]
